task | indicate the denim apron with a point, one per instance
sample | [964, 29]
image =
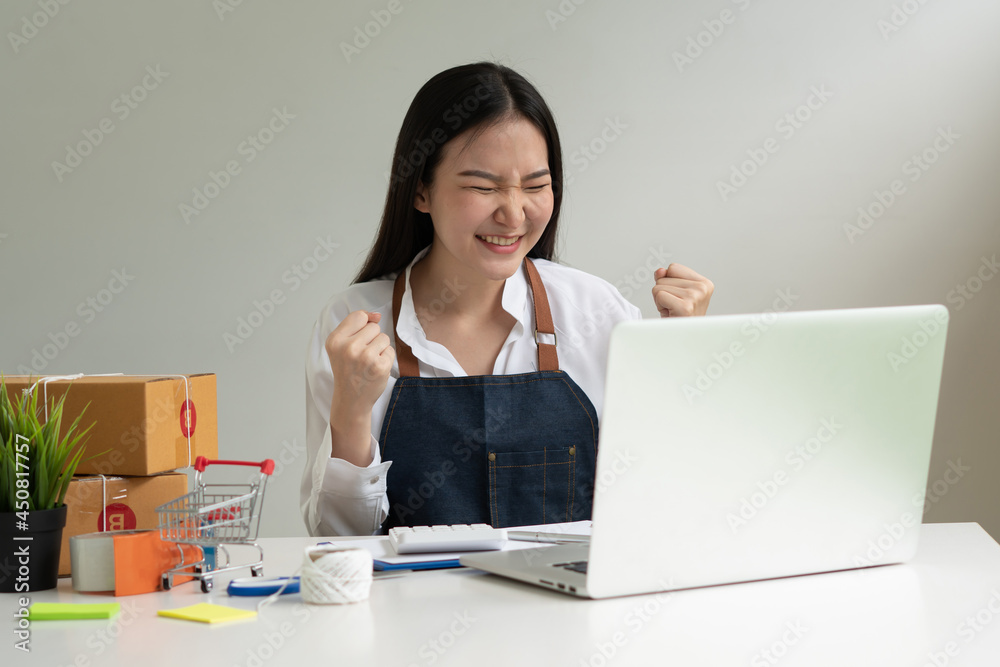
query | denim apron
[506, 450]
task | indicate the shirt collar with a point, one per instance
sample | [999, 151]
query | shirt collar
[514, 300]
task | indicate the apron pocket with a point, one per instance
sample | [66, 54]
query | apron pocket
[527, 488]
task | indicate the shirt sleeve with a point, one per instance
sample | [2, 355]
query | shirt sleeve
[336, 496]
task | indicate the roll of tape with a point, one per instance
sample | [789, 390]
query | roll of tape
[335, 575]
[126, 562]
[93, 560]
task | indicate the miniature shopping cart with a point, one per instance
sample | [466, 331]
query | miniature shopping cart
[211, 516]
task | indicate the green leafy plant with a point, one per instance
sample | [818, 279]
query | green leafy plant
[32, 450]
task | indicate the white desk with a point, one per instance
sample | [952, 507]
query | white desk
[888, 616]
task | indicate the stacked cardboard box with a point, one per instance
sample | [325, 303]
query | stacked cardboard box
[144, 426]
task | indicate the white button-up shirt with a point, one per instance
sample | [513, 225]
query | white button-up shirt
[339, 498]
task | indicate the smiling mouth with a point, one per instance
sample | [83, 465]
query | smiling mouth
[499, 240]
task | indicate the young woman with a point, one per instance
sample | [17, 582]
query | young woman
[460, 378]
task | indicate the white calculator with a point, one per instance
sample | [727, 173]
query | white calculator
[437, 539]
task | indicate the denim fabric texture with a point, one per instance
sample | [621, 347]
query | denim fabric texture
[506, 450]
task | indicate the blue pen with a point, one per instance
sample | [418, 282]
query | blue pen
[257, 586]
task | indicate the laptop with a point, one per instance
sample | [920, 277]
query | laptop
[737, 448]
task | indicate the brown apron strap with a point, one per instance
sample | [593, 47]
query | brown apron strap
[548, 360]
[404, 355]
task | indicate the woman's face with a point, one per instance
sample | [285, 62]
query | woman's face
[491, 199]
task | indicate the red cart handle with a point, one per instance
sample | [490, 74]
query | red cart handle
[266, 466]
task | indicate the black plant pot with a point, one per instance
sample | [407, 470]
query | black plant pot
[29, 559]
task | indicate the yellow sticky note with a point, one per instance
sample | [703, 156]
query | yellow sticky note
[207, 613]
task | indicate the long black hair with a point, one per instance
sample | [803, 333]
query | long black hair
[470, 97]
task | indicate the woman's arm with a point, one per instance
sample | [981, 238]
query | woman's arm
[337, 496]
[360, 357]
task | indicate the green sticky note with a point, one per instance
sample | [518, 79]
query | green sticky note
[62, 611]
[207, 613]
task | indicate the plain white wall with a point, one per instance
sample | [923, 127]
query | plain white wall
[894, 76]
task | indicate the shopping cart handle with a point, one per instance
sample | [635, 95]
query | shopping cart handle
[266, 466]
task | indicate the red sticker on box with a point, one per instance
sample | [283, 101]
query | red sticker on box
[116, 516]
[189, 418]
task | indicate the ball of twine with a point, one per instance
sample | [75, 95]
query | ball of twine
[335, 575]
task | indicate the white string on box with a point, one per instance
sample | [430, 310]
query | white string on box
[44, 381]
[187, 397]
[104, 503]
[45, 388]
[55, 378]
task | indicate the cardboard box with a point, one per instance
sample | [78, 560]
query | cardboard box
[143, 424]
[100, 503]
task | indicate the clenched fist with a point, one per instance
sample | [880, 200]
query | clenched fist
[360, 358]
[681, 292]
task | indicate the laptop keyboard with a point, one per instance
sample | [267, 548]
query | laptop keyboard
[574, 566]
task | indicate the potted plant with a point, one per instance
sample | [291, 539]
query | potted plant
[36, 466]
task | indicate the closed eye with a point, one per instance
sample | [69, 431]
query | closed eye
[533, 188]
